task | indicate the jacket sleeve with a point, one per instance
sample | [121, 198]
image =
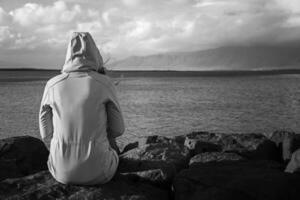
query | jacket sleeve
[115, 121]
[45, 119]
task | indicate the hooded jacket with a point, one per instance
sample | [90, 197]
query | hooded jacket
[79, 111]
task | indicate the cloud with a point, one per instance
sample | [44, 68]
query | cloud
[135, 27]
[34, 14]
[5, 33]
[4, 17]
[131, 3]
[34, 25]
[292, 6]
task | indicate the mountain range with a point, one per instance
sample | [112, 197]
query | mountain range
[223, 58]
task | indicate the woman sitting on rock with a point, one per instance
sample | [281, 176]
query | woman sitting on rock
[80, 117]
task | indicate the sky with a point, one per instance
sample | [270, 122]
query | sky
[35, 33]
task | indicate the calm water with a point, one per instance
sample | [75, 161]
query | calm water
[173, 106]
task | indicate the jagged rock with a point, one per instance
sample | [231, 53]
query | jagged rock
[42, 186]
[241, 142]
[20, 156]
[215, 157]
[218, 172]
[197, 146]
[200, 142]
[192, 138]
[294, 164]
[176, 140]
[278, 136]
[253, 180]
[287, 142]
[157, 161]
[158, 177]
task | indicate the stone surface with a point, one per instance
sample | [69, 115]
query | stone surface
[42, 186]
[222, 166]
[267, 150]
[156, 160]
[287, 142]
[215, 157]
[20, 156]
[294, 164]
[261, 180]
[200, 142]
[199, 146]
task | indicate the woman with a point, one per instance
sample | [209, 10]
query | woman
[80, 116]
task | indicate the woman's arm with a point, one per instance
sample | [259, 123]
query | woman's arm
[45, 119]
[115, 121]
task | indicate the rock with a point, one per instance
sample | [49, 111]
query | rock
[261, 180]
[215, 157]
[42, 186]
[156, 139]
[177, 140]
[231, 144]
[267, 150]
[278, 136]
[156, 162]
[158, 177]
[200, 147]
[192, 139]
[250, 141]
[230, 166]
[20, 156]
[199, 142]
[294, 164]
[287, 142]
[9, 168]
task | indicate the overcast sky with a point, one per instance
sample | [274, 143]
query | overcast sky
[35, 33]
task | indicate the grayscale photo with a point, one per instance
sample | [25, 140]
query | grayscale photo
[150, 99]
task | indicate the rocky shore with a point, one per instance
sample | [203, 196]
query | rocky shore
[200, 165]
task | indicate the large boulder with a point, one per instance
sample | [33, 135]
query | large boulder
[287, 143]
[156, 160]
[251, 179]
[42, 186]
[20, 156]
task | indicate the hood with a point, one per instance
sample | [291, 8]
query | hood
[82, 54]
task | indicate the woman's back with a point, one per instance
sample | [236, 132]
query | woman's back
[81, 100]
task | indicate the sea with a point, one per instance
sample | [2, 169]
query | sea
[163, 104]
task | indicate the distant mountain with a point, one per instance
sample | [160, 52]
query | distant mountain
[223, 58]
[11, 64]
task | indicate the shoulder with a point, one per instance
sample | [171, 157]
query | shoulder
[56, 79]
[102, 79]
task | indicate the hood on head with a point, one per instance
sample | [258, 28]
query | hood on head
[82, 54]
